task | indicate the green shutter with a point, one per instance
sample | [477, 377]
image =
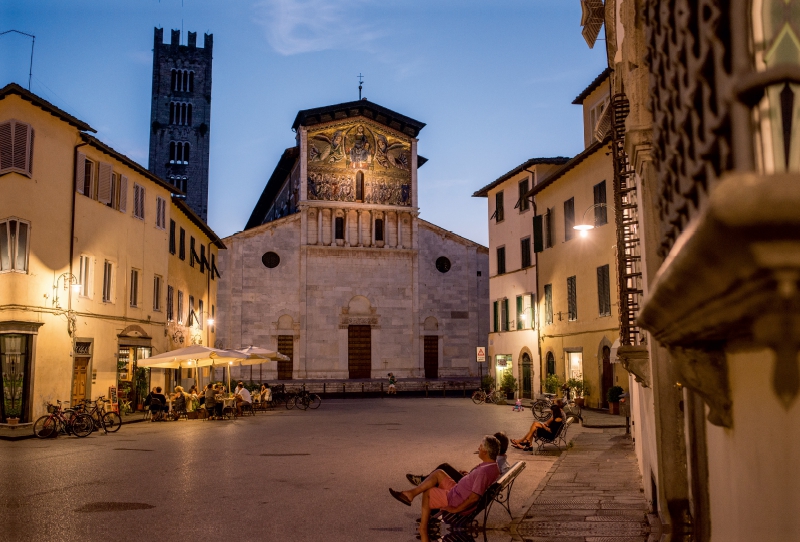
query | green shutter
[496, 318]
[520, 323]
[538, 237]
[507, 326]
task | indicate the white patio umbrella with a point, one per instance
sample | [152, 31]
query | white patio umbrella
[256, 355]
[193, 356]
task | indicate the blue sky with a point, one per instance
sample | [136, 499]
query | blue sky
[493, 80]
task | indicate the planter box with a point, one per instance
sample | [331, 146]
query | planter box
[613, 408]
[580, 401]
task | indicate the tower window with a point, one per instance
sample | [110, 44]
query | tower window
[180, 114]
[179, 181]
[379, 229]
[182, 80]
[178, 152]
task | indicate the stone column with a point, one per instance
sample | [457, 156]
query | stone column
[372, 217]
[319, 225]
[360, 240]
[347, 227]
[399, 230]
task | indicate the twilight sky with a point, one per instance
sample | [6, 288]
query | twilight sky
[493, 80]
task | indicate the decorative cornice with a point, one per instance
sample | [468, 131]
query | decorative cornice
[636, 360]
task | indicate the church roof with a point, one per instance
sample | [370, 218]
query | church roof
[484, 192]
[363, 108]
[279, 174]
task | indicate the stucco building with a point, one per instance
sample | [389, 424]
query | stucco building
[336, 270]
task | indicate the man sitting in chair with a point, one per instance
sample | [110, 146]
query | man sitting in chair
[242, 396]
[440, 491]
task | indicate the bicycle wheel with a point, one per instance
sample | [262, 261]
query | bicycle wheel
[541, 410]
[314, 401]
[290, 401]
[301, 402]
[45, 427]
[112, 421]
[573, 410]
[82, 425]
[478, 397]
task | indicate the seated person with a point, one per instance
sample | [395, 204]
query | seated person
[440, 491]
[548, 429]
[266, 393]
[149, 398]
[158, 404]
[502, 464]
[212, 406]
[242, 396]
[180, 401]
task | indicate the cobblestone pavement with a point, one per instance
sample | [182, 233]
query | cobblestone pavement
[592, 493]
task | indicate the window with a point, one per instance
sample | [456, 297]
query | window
[572, 298]
[192, 315]
[501, 260]
[548, 304]
[108, 282]
[601, 211]
[84, 176]
[180, 307]
[549, 228]
[604, 290]
[157, 287]
[179, 181]
[16, 148]
[359, 186]
[134, 287]
[180, 113]
[213, 317]
[203, 261]
[178, 152]
[85, 275]
[214, 270]
[14, 245]
[379, 229]
[504, 315]
[270, 260]
[200, 313]
[105, 182]
[161, 213]
[138, 201]
[496, 315]
[113, 200]
[339, 226]
[525, 314]
[182, 81]
[192, 252]
[182, 252]
[122, 199]
[525, 250]
[172, 236]
[569, 219]
[499, 213]
[170, 304]
[524, 204]
[443, 264]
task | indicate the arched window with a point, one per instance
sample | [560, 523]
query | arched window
[551, 364]
[360, 186]
[185, 153]
[190, 87]
[173, 82]
[188, 115]
[178, 152]
[379, 229]
[171, 152]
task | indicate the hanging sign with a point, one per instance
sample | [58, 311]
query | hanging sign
[481, 354]
[112, 395]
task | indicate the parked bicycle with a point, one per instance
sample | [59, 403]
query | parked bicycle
[541, 407]
[482, 396]
[55, 422]
[305, 400]
[110, 422]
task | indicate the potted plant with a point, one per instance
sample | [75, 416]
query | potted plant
[12, 421]
[581, 388]
[508, 384]
[613, 395]
[552, 384]
[487, 383]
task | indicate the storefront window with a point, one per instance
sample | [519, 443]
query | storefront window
[15, 364]
[133, 381]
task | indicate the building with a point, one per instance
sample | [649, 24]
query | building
[86, 275]
[706, 177]
[336, 270]
[513, 342]
[180, 115]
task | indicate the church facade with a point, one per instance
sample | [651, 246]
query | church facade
[335, 268]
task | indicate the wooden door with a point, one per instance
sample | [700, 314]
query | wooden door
[527, 391]
[286, 347]
[79, 380]
[359, 351]
[608, 376]
[431, 356]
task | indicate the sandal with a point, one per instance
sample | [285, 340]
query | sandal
[400, 497]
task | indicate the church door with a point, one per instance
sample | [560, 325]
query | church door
[286, 347]
[431, 352]
[359, 351]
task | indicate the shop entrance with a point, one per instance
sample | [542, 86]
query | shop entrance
[15, 362]
[359, 351]
[574, 365]
[133, 382]
[527, 384]
[608, 376]
[286, 347]
[431, 356]
[79, 380]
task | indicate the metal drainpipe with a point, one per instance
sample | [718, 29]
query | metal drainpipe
[538, 319]
[208, 299]
[70, 330]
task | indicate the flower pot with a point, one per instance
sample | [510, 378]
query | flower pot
[140, 406]
[510, 395]
[12, 421]
[613, 408]
[580, 401]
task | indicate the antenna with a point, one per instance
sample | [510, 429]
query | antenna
[33, 42]
[360, 84]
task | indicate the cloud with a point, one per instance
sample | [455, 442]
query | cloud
[304, 26]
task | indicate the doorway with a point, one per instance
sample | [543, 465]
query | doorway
[574, 367]
[359, 351]
[551, 364]
[79, 380]
[527, 384]
[608, 376]
[286, 347]
[431, 356]
[15, 362]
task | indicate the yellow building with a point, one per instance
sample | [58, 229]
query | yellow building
[85, 267]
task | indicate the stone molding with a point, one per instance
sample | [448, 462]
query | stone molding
[21, 327]
[636, 360]
[346, 319]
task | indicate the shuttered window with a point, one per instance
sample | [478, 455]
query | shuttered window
[525, 314]
[524, 204]
[569, 219]
[548, 227]
[84, 275]
[134, 288]
[104, 174]
[14, 245]
[161, 213]
[193, 256]
[520, 314]
[525, 251]
[200, 313]
[172, 237]
[499, 211]
[548, 304]
[203, 261]
[108, 282]
[138, 201]
[572, 298]
[170, 303]
[180, 307]
[16, 148]
[501, 260]
[192, 315]
[496, 315]
[84, 176]
[123, 194]
[604, 290]
[157, 287]
[505, 316]
[182, 246]
[600, 211]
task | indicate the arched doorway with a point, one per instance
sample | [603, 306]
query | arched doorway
[551, 364]
[527, 384]
[608, 376]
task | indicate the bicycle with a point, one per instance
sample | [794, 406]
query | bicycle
[541, 408]
[306, 399]
[54, 422]
[481, 396]
[109, 422]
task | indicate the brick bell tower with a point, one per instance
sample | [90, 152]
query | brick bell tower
[180, 115]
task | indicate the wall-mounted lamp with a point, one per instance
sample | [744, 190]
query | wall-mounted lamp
[583, 228]
[70, 281]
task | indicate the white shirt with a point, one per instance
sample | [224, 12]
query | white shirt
[244, 394]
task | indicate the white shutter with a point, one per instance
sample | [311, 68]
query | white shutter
[123, 194]
[104, 183]
[6, 147]
[80, 172]
[21, 136]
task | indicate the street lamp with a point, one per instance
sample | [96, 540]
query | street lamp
[69, 280]
[583, 228]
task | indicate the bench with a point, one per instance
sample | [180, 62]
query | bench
[498, 492]
[561, 437]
